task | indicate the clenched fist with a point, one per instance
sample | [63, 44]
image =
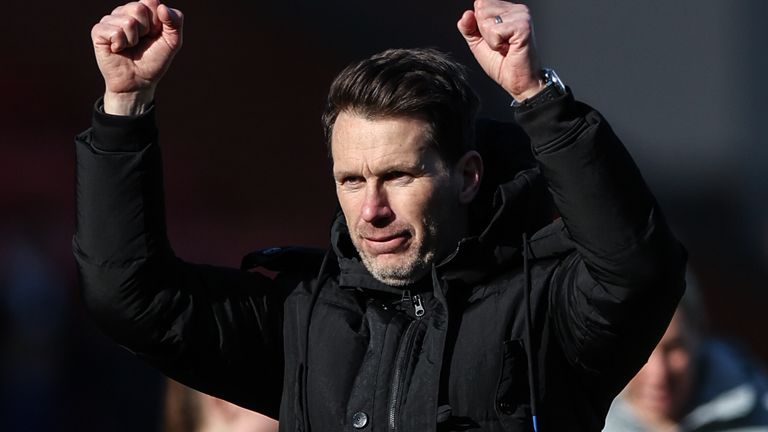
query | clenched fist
[134, 46]
[500, 36]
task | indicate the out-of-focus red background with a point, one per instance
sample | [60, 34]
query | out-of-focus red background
[681, 82]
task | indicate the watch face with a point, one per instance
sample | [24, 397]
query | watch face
[552, 79]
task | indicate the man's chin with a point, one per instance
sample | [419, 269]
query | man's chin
[394, 270]
[393, 280]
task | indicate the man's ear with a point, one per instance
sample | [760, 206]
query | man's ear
[469, 171]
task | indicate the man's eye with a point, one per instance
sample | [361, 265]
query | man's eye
[396, 175]
[351, 181]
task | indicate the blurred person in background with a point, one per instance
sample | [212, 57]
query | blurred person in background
[188, 410]
[693, 382]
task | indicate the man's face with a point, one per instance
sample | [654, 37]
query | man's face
[400, 200]
[660, 391]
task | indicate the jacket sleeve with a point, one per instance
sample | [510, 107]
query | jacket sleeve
[613, 298]
[214, 329]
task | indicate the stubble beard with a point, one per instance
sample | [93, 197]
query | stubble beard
[412, 265]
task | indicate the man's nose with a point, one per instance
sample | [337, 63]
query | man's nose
[376, 207]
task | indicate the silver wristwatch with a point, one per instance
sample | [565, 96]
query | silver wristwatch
[553, 88]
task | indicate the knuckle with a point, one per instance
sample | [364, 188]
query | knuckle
[131, 6]
[491, 29]
[100, 31]
[523, 25]
[133, 9]
[129, 22]
[114, 33]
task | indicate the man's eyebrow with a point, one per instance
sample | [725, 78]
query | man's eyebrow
[417, 166]
[406, 166]
[344, 173]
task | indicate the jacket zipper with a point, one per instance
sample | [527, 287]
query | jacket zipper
[401, 363]
[418, 307]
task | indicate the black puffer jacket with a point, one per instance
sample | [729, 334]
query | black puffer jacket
[524, 313]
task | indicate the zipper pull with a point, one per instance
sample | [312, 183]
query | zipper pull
[417, 306]
[406, 296]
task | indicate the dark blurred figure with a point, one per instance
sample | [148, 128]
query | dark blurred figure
[187, 410]
[693, 382]
[32, 315]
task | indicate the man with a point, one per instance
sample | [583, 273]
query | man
[691, 383]
[441, 304]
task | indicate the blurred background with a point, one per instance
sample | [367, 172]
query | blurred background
[681, 82]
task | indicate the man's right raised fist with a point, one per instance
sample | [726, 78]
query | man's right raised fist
[134, 47]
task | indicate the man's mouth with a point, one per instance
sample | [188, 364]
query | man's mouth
[387, 244]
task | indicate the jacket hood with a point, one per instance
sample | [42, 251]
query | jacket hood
[513, 196]
[513, 199]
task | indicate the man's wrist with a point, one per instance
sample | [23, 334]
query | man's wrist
[552, 88]
[535, 85]
[128, 104]
[122, 133]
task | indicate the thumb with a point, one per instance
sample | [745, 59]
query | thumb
[467, 26]
[172, 19]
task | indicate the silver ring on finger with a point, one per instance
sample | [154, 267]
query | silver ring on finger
[497, 19]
